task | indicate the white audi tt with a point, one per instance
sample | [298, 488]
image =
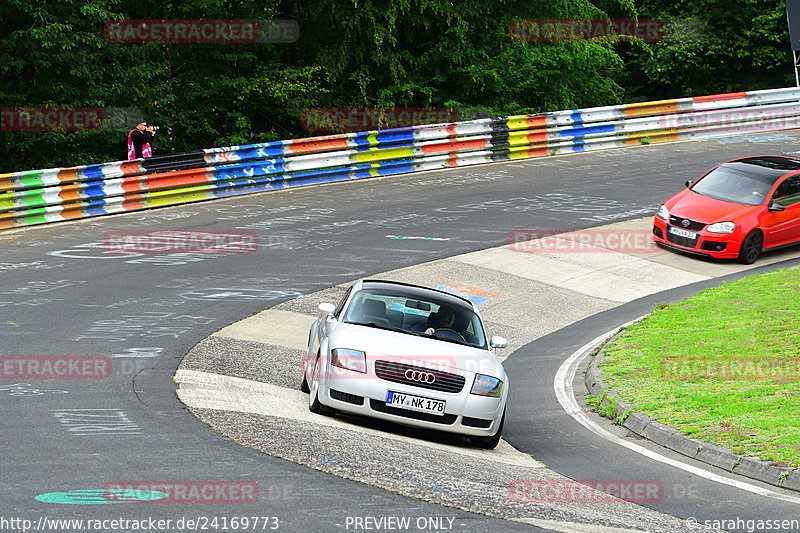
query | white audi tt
[407, 354]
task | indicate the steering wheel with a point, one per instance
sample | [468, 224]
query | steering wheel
[448, 333]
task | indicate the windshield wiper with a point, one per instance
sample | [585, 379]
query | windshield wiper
[380, 326]
[417, 333]
[391, 328]
[448, 339]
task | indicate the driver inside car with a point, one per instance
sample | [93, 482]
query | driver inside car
[443, 318]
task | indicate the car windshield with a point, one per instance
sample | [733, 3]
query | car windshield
[736, 185]
[427, 316]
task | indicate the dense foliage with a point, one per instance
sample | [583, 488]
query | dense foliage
[356, 53]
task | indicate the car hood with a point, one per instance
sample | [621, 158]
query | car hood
[415, 350]
[689, 204]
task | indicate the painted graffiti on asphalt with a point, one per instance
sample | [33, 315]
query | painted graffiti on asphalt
[33, 265]
[217, 294]
[99, 251]
[290, 220]
[148, 324]
[557, 202]
[96, 421]
[139, 353]
[42, 286]
[36, 287]
[26, 389]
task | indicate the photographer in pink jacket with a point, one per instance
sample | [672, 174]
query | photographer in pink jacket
[139, 140]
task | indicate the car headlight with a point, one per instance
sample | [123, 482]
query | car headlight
[663, 212]
[355, 360]
[722, 227]
[487, 386]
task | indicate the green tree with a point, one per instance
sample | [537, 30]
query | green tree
[355, 53]
[744, 45]
[53, 55]
[434, 53]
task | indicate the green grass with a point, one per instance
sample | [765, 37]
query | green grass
[723, 366]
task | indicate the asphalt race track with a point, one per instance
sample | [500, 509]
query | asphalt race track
[63, 293]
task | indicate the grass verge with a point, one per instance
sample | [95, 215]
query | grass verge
[723, 366]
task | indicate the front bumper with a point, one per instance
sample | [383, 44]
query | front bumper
[716, 245]
[465, 413]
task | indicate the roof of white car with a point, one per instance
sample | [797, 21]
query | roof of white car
[417, 291]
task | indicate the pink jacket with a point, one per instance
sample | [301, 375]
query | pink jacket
[146, 151]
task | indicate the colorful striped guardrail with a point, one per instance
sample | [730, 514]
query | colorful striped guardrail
[42, 196]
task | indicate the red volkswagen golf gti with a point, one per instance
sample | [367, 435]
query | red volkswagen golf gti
[735, 211]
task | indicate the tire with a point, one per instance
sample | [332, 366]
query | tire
[489, 443]
[303, 382]
[751, 247]
[314, 404]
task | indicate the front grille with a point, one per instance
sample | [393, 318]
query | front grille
[476, 422]
[381, 407]
[396, 372]
[681, 241]
[345, 397]
[691, 226]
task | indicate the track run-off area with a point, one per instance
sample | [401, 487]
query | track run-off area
[228, 332]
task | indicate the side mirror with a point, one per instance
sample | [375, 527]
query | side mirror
[326, 310]
[776, 207]
[688, 184]
[498, 342]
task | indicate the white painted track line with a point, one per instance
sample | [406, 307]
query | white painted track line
[566, 397]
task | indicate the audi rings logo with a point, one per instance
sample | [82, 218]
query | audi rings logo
[420, 376]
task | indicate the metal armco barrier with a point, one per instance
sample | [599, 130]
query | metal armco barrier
[50, 195]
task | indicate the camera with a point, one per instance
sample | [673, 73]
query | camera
[155, 128]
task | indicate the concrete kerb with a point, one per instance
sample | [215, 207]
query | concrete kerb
[705, 452]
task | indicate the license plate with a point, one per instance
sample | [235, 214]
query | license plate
[415, 403]
[682, 232]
